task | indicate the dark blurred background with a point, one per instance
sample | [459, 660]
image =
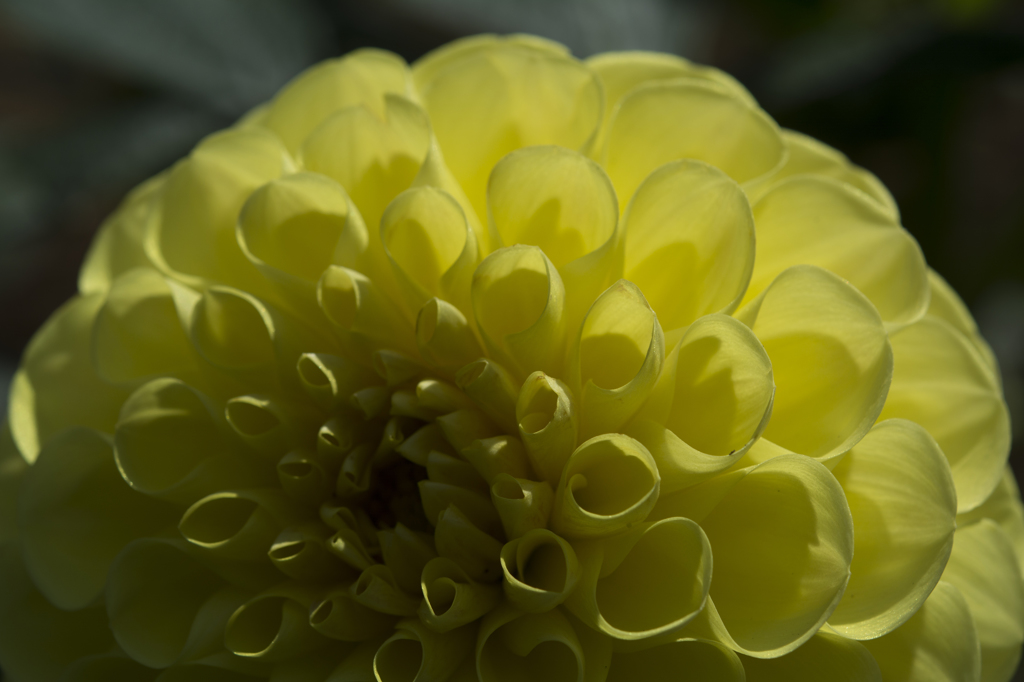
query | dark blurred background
[97, 95]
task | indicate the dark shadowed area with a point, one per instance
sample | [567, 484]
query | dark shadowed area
[97, 95]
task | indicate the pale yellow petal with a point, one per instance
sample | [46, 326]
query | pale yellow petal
[823, 657]
[702, 659]
[689, 242]
[1004, 507]
[947, 305]
[513, 646]
[689, 118]
[58, 356]
[451, 598]
[415, 653]
[274, 625]
[984, 568]
[824, 222]
[830, 356]
[485, 103]
[939, 644]
[362, 77]
[541, 570]
[782, 537]
[548, 421]
[75, 513]
[711, 403]
[941, 382]
[901, 494]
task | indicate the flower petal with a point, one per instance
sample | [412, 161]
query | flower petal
[946, 304]
[782, 538]
[75, 513]
[58, 356]
[985, 570]
[830, 357]
[1004, 507]
[689, 119]
[903, 502]
[362, 77]
[689, 242]
[939, 644]
[714, 398]
[516, 647]
[702, 659]
[488, 101]
[823, 657]
[823, 222]
[617, 358]
[941, 382]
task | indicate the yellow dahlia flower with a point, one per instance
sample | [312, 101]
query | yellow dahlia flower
[509, 367]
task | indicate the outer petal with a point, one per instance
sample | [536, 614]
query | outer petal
[360, 78]
[1004, 507]
[810, 156]
[947, 305]
[689, 118]
[489, 99]
[12, 470]
[702, 659]
[939, 644]
[56, 387]
[830, 358]
[820, 221]
[985, 570]
[689, 242]
[38, 640]
[119, 244]
[825, 656]
[941, 382]
[903, 502]
[781, 535]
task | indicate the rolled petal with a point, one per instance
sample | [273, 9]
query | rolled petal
[194, 238]
[300, 552]
[824, 222]
[522, 504]
[374, 155]
[689, 119]
[703, 659]
[901, 495]
[649, 581]
[790, 513]
[376, 588]
[563, 202]
[173, 442]
[293, 228]
[941, 382]
[274, 625]
[406, 552]
[483, 104]
[493, 457]
[38, 641]
[476, 552]
[444, 336]
[617, 359]
[339, 616]
[76, 513]
[431, 247]
[164, 605]
[331, 379]
[269, 426]
[985, 570]
[825, 656]
[238, 525]
[548, 420]
[939, 644]
[516, 647]
[493, 389]
[415, 653]
[138, 333]
[357, 305]
[710, 405]
[541, 570]
[59, 356]
[831, 361]
[518, 301]
[609, 483]
[689, 242]
[451, 598]
[437, 497]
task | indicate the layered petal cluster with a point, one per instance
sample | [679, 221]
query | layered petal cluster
[509, 367]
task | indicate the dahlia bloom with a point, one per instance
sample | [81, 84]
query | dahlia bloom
[509, 367]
